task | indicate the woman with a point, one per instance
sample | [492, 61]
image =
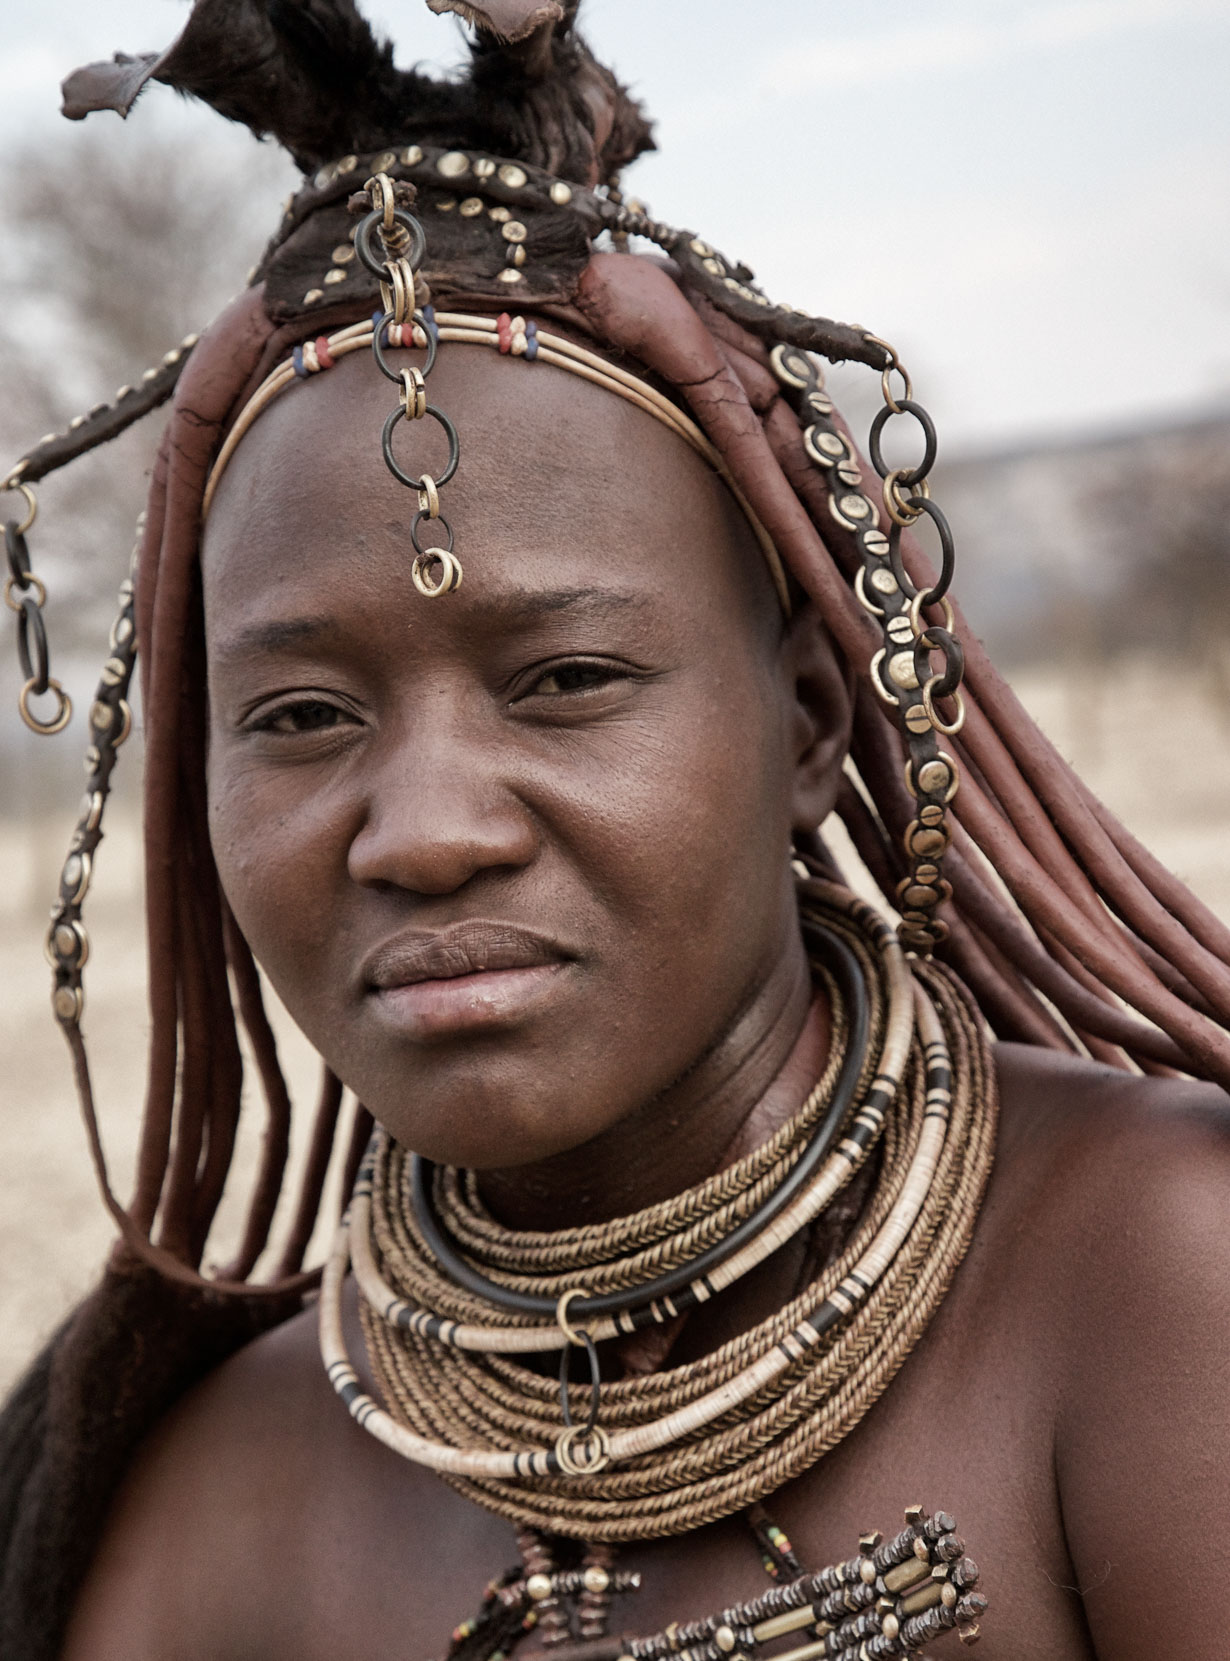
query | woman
[502, 752]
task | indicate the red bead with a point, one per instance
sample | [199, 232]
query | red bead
[323, 355]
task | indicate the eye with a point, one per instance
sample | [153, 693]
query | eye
[575, 677]
[305, 715]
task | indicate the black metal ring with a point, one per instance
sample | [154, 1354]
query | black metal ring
[378, 347]
[904, 581]
[379, 266]
[394, 466]
[30, 620]
[595, 1382]
[940, 640]
[638, 1300]
[438, 520]
[948, 554]
[916, 475]
[17, 553]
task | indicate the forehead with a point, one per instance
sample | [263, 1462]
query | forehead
[559, 481]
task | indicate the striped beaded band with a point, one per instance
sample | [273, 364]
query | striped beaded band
[512, 337]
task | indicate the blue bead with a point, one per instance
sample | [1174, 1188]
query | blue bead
[301, 368]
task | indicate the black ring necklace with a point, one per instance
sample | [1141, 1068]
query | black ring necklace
[634, 1302]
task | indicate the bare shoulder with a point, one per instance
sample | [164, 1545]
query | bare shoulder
[249, 1490]
[220, 1453]
[1106, 1181]
[1104, 1226]
[1084, 1142]
[1118, 1190]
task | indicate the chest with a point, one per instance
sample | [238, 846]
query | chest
[388, 1560]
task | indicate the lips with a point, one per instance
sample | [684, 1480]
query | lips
[472, 975]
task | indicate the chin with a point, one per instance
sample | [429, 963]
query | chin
[490, 1118]
[489, 1132]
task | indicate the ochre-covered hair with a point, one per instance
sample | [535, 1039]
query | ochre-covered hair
[1070, 935]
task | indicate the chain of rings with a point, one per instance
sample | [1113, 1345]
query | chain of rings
[68, 944]
[907, 499]
[903, 671]
[26, 594]
[390, 242]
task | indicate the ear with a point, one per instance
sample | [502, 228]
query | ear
[820, 692]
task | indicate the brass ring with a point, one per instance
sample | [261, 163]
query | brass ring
[64, 960]
[894, 502]
[125, 709]
[397, 291]
[567, 1460]
[561, 1315]
[31, 503]
[954, 776]
[429, 497]
[380, 185]
[877, 682]
[450, 575]
[893, 363]
[915, 613]
[860, 590]
[950, 729]
[413, 394]
[29, 582]
[62, 716]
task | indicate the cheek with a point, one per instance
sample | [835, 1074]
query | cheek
[687, 828]
[279, 850]
[660, 848]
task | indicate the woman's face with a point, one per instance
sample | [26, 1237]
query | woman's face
[515, 858]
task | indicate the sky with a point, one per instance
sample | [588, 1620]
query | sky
[1030, 198]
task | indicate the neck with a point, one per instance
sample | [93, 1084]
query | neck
[735, 1096]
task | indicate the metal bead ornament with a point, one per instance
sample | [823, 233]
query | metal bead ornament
[895, 1598]
[26, 594]
[901, 671]
[390, 242]
[68, 944]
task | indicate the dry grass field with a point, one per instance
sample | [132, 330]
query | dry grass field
[1157, 750]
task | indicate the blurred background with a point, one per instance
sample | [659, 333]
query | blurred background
[1031, 200]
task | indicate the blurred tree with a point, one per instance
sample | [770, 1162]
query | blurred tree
[118, 243]
[1166, 518]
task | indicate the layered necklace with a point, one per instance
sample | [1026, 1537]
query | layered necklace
[452, 1302]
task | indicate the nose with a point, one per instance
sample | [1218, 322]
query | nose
[441, 807]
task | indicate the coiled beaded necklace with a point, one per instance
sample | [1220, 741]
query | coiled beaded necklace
[450, 1301]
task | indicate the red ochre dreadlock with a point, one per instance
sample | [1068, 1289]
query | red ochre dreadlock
[1069, 933]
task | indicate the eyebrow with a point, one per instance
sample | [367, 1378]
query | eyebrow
[538, 602]
[287, 633]
[277, 635]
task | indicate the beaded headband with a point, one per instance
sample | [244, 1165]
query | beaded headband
[511, 336]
